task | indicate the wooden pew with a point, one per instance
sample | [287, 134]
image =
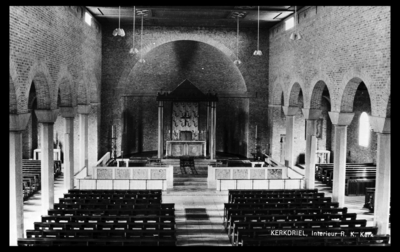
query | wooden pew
[112, 212]
[379, 240]
[108, 219]
[268, 233]
[95, 242]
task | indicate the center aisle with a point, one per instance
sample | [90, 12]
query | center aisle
[198, 212]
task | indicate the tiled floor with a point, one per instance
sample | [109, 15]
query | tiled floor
[198, 211]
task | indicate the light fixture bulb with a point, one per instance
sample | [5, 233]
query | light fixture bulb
[142, 61]
[133, 51]
[257, 53]
[115, 32]
[237, 62]
[121, 32]
[298, 37]
[292, 36]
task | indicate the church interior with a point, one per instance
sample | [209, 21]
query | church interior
[199, 125]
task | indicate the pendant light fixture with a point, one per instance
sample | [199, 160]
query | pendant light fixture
[294, 35]
[141, 13]
[237, 15]
[119, 31]
[258, 51]
[133, 50]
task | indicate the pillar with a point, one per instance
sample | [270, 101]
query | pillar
[160, 129]
[215, 129]
[311, 116]
[83, 111]
[290, 112]
[208, 127]
[382, 186]
[340, 121]
[16, 205]
[47, 118]
[68, 113]
[212, 133]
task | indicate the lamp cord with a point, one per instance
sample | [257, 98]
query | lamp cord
[141, 34]
[237, 39]
[258, 30]
[133, 33]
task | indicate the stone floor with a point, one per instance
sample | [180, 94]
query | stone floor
[198, 210]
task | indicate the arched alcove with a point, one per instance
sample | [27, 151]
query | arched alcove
[166, 66]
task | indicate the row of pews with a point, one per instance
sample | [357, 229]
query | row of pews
[294, 218]
[31, 172]
[106, 218]
[359, 176]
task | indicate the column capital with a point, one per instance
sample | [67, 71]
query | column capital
[380, 124]
[311, 114]
[46, 115]
[68, 112]
[84, 109]
[340, 118]
[18, 122]
[290, 110]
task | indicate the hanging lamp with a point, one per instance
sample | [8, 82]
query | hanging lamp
[258, 51]
[237, 61]
[294, 35]
[141, 35]
[133, 50]
[119, 31]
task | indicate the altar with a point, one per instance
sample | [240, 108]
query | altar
[185, 148]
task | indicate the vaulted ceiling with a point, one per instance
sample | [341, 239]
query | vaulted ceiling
[195, 16]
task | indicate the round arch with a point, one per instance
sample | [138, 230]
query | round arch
[40, 77]
[64, 85]
[177, 37]
[312, 98]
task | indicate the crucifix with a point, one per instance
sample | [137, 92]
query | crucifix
[185, 119]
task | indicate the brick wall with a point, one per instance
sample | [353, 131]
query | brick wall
[47, 44]
[337, 45]
[172, 54]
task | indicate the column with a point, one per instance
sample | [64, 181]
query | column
[47, 118]
[83, 111]
[289, 112]
[160, 129]
[340, 121]
[382, 186]
[208, 127]
[68, 113]
[16, 205]
[311, 116]
[212, 118]
[215, 129]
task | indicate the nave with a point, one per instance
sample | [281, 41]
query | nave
[198, 211]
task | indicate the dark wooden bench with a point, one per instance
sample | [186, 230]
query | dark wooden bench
[293, 225]
[300, 211]
[103, 226]
[267, 233]
[100, 234]
[233, 196]
[112, 212]
[110, 201]
[113, 192]
[106, 206]
[111, 196]
[281, 200]
[381, 240]
[96, 242]
[289, 217]
[108, 219]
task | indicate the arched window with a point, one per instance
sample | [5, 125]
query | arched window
[364, 130]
